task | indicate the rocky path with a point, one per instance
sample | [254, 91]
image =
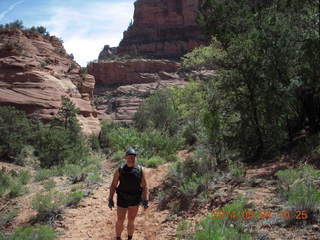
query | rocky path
[92, 219]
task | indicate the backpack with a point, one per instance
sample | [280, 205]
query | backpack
[139, 167]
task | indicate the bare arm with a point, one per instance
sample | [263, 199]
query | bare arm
[114, 184]
[144, 186]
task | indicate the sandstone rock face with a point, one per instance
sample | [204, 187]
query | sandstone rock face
[133, 71]
[121, 103]
[163, 29]
[35, 72]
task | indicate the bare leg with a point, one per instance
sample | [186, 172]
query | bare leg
[121, 213]
[132, 213]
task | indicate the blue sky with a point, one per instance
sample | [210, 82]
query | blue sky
[85, 26]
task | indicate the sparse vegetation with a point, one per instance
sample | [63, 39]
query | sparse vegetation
[7, 217]
[300, 189]
[38, 232]
[218, 226]
[74, 198]
[49, 205]
[49, 185]
[152, 162]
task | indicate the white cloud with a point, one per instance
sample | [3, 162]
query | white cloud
[86, 49]
[10, 8]
[87, 29]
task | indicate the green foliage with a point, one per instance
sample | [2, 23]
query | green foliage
[207, 57]
[152, 162]
[188, 181]
[5, 218]
[4, 183]
[237, 171]
[43, 174]
[40, 29]
[299, 187]
[49, 185]
[95, 143]
[75, 173]
[74, 198]
[16, 131]
[48, 205]
[16, 189]
[39, 232]
[62, 142]
[24, 176]
[118, 138]
[117, 156]
[158, 112]
[220, 228]
[264, 91]
[18, 24]
[305, 197]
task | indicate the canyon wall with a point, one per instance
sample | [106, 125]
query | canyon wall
[162, 29]
[35, 72]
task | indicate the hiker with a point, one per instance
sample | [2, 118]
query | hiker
[131, 192]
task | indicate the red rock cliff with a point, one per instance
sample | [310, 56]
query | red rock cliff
[35, 72]
[163, 29]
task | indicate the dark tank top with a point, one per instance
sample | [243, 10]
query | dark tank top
[130, 179]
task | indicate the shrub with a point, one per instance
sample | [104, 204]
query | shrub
[216, 226]
[154, 142]
[7, 217]
[188, 181]
[39, 232]
[16, 131]
[299, 188]
[158, 112]
[95, 143]
[117, 156]
[49, 185]
[16, 190]
[27, 157]
[43, 174]
[24, 177]
[290, 177]
[153, 162]
[48, 205]
[75, 173]
[237, 171]
[74, 198]
[184, 230]
[93, 176]
[305, 197]
[207, 57]
[5, 182]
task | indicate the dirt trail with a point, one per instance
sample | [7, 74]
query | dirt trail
[92, 219]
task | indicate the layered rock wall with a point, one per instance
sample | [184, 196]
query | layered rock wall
[132, 71]
[163, 29]
[35, 72]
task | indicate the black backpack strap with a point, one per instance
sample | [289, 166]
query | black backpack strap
[120, 168]
[140, 172]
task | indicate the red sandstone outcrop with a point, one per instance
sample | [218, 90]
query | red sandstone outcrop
[121, 103]
[35, 72]
[163, 29]
[133, 71]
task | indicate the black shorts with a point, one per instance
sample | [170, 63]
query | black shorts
[125, 202]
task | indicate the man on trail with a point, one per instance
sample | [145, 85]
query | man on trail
[131, 191]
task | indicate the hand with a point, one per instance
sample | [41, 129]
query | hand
[111, 203]
[145, 204]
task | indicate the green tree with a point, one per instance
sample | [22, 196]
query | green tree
[16, 132]
[67, 115]
[159, 112]
[269, 76]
